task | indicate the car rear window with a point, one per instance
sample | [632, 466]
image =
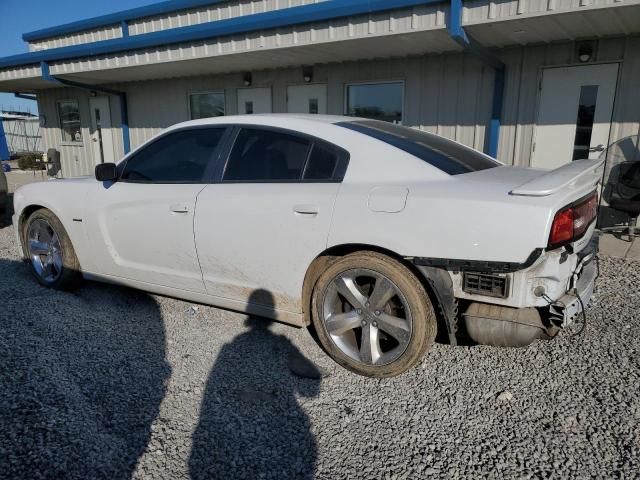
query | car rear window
[267, 155]
[444, 154]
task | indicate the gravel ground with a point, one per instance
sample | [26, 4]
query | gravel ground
[114, 383]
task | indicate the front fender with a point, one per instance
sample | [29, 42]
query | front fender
[66, 200]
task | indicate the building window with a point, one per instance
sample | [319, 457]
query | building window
[69, 115]
[378, 101]
[584, 123]
[205, 105]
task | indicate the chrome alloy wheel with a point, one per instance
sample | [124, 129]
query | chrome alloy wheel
[367, 317]
[45, 252]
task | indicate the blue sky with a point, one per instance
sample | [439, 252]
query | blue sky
[20, 16]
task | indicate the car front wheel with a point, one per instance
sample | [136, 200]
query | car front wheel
[372, 315]
[50, 252]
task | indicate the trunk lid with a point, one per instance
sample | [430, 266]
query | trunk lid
[579, 174]
[552, 188]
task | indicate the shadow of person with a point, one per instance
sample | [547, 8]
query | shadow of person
[82, 376]
[251, 425]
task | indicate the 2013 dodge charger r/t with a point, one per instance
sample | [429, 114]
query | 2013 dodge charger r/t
[375, 234]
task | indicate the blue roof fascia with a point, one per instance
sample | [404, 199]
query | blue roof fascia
[249, 23]
[117, 17]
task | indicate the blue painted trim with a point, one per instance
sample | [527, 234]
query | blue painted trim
[496, 113]
[124, 109]
[457, 33]
[117, 17]
[4, 148]
[455, 23]
[249, 23]
[124, 28]
[44, 72]
[124, 123]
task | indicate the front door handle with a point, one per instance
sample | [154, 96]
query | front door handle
[306, 209]
[597, 148]
[179, 208]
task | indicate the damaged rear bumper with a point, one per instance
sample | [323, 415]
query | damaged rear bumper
[570, 305]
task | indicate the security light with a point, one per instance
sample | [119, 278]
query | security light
[585, 52]
[307, 73]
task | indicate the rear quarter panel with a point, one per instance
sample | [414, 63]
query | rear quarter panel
[440, 221]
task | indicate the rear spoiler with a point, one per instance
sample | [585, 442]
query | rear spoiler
[577, 173]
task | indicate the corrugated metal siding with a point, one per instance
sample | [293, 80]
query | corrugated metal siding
[88, 36]
[211, 13]
[449, 94]
[524, 71]
[480, 11]
[626, 112]
[26, 71]
[22, 135]
[77, 159]
[422, 18]
[180, 18]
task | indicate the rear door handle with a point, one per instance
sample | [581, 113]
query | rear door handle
[179, 208]
[306, 209]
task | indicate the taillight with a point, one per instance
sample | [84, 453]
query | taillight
[562, 228]
[572, 222]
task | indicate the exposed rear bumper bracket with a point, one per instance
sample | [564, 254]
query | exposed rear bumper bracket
[477, 265]
[442, 287]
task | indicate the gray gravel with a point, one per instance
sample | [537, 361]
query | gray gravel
[115, 383]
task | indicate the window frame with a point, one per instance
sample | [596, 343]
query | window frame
[338, 176]
[206, 92]
[59, 117]
[208, 174]
[402, 82]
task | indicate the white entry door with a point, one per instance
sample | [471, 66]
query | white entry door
[307, 98]
[101, 137]
[254, 100]
[574, 118]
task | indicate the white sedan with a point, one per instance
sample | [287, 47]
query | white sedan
[377, 235]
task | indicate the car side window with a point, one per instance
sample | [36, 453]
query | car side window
[323, 163]
[267, 155]
[179, 157]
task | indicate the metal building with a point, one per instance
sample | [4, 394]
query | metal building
[21, 132]
[533, 82]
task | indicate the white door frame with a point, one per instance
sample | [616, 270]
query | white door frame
[540, 93]
[254, 89]
[321, 103]
[101, 135]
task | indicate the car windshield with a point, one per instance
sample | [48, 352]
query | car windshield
[446, 155]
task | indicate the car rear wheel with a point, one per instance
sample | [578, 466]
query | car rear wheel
[50, 252]
[372, 315]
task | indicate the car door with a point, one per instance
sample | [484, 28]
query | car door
[142, 229]
[261, 225]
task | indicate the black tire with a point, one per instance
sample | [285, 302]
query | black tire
[70, 276]
[410, 291]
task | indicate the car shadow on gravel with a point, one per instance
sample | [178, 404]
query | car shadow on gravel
[82, 376]
[7, 214]
[251, 423]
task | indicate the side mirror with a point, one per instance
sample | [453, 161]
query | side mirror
[106, 172]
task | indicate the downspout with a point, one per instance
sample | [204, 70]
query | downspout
[457, 33]
[124, 111]
[4, 148]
